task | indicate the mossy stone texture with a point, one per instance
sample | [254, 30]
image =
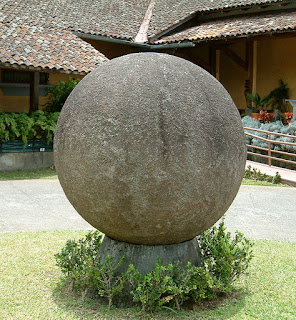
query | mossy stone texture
[150, 149]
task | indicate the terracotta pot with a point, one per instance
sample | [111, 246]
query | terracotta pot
[255, 115]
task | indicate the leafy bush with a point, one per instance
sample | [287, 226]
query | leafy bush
[224, 259]
[38, 125]
[59, 94]
[256, 175]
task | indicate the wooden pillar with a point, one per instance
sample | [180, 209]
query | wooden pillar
[254, 73]
[212, 60]
[34, 91]
[251, 58]
[218, 59]
[251, 61]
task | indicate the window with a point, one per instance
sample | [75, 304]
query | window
[15, 76]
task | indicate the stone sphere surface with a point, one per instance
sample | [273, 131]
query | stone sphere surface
[150, 149]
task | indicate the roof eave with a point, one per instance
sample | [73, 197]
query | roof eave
[254, 36]
[40, 69]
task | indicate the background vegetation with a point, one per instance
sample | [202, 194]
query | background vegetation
[38, 125]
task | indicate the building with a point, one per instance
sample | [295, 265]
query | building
[249, 45]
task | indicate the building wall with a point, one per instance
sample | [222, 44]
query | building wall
[275, 61]
[233, 76]
[10, 103]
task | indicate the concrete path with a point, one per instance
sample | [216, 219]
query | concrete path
[35, 205]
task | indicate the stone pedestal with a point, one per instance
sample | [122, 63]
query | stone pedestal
[144, 257]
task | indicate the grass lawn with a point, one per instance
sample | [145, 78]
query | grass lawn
[262, 183]
[29, 174]
[30, 285]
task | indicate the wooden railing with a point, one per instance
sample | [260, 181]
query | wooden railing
[269, 143]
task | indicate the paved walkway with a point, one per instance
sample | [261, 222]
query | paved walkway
[288, 176]
[35, 205]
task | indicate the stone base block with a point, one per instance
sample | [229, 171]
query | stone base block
[144, 257]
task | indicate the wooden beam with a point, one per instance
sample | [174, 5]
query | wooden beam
[34, 91]
[212, 60]
[235, 57]
[218, 63]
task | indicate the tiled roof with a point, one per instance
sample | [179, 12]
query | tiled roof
[39, 47]
[112, 18]
[235, 27]
[39, 33]
[170, 12]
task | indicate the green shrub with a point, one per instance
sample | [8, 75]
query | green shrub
[59, 94]
[256, 175]
[224, 259]
[38, 125]
[169, 285]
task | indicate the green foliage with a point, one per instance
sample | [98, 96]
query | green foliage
[277, 178]
[275, 98]
[278, 96]
[38, 125]
[149, 289]
[15, 125]
[224, 259]
[259, 103]
[256, 175]
[59, 94]
[76, 254]
[172, 284]
[80, 263]
[103, 277]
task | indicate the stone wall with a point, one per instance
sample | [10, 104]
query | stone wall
[11, 161]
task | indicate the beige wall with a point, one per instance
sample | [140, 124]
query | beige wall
[22, 103]
[275, 61]
[233, 76]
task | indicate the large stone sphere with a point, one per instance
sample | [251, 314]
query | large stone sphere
[149, 149]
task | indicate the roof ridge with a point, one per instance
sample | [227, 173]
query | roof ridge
[142, 35]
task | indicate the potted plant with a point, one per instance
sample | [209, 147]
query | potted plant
[258, 103]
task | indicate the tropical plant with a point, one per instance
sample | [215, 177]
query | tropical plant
[258, 102]
[278, 96]
[59, 94]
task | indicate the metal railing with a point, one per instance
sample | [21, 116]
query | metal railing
[270, 142]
